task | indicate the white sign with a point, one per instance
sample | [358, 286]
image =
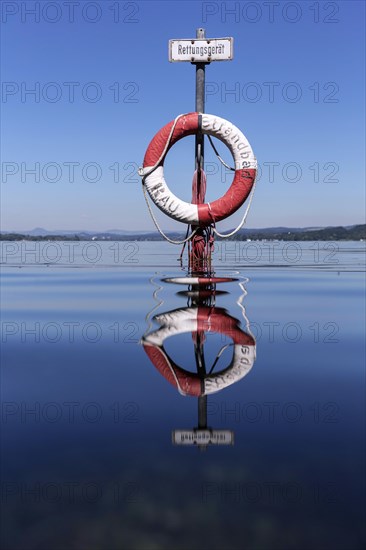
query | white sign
[201, 50]
[203, 437]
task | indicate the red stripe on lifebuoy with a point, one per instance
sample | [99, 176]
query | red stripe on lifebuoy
[188, 382]
[231, 201]
[217, 320]
[186, 125]
[215, 280]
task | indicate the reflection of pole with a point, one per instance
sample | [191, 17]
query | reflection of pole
[199, 356]
[202, 412]
[202, 400]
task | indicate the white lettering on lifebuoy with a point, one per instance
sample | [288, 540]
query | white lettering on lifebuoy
[229, 134]
[163, 200]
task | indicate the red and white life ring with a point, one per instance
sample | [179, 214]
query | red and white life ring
[199, 214]
[195, 319]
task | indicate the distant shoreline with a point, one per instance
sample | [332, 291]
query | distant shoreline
[352, 233]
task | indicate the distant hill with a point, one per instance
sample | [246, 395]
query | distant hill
[40, 232]
[350, 233]
[340, 233]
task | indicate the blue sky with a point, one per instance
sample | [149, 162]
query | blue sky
[104, 86]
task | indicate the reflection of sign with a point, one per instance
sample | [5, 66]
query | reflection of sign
[203, 437]
[201, 50]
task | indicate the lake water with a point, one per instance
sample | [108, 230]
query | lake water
[89, 414]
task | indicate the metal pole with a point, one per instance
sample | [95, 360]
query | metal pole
[200, 104]
[199, 145]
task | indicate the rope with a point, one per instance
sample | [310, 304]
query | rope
[249, 203]
[143, 172]
[148, 317]
[184, 245]
[221, 351]
[242, 221]
[218, 156]
[159, 229]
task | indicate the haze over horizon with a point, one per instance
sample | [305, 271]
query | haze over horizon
[44, 231]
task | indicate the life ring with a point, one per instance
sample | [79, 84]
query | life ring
[208, 213]
[194, 319]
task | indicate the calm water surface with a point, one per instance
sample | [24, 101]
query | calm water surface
[89, 414]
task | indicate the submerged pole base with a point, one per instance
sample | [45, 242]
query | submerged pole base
[200, 251]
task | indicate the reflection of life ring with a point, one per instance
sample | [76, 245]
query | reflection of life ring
[199, 214]
[195, 319]
[199, 280]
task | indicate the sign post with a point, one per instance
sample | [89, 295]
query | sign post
[200, 51]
